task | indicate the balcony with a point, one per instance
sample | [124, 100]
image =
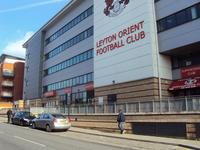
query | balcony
[7, 84]
[6, 94]
[8, 73]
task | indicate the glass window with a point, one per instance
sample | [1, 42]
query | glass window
[181, 17]
[60, 67]
[77, 80]
[171, 21]
[85, 79]
[194, 12]
[71, 42]
[67, 83]
[198, 10]
[162, 25]
[54, 86]
[84, 56]
[61, 85]
[89, 77]
[73, 81]
[54, 69]
[70, 62]
[90, 54]
[74, 60]
[81, 80]
[81, 57]
[70, 82]
[78, 59]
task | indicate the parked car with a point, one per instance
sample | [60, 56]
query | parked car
[22, 118]
[51, 121]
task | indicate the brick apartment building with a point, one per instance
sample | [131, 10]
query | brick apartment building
[11, 79]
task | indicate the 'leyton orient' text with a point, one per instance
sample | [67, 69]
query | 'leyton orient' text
[117, 40]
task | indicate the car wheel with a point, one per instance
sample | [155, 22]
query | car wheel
[48, 128]
[21, 123]
[33, 125]
[66, 130]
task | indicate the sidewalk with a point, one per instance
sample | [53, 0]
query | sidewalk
[190, 144]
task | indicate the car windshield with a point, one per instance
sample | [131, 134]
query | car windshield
[58, 116]
[27, 114]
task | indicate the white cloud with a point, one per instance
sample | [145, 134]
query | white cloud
[15, 48]
[30, 6]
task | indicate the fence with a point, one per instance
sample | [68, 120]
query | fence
[191, 104]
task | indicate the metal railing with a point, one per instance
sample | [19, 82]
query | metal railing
[185, 104]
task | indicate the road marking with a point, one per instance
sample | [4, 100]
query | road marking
[36, 143]
[1, 132]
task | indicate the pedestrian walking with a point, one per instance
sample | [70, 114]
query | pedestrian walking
[9, 115]
[121, 121]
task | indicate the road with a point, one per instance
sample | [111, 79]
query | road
[14, 137]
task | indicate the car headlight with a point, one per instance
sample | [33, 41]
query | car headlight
[27, 120]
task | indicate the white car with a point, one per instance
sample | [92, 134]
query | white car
[51, 121]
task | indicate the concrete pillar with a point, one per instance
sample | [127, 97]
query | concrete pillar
[191, 132]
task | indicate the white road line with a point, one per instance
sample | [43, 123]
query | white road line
[36, 143]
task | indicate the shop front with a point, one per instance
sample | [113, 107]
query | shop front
[189, 85]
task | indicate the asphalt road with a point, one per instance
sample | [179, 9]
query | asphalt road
[14, 137]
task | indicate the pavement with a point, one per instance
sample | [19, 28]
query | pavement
[182, 143]
[127, 141]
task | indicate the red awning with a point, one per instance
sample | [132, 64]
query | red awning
[185, 84]
[50, 94]
[89, 86]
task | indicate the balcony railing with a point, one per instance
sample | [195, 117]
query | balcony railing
[7, 84]
[7, 94]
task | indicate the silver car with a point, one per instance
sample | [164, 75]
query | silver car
[50, 121]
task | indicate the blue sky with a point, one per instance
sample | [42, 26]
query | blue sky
[20, 19]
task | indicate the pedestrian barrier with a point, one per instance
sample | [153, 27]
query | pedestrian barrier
[185, 104]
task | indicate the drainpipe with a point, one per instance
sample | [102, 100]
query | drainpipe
[157, 52]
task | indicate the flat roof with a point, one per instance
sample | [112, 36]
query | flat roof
[4, 56]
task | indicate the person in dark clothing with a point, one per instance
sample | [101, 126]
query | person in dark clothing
[9, 114]
[121, 121]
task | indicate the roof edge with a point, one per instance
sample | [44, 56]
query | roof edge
[50, 21]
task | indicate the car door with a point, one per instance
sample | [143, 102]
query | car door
[14, 119]
[17, 118]
[20, 116]
[39, 121]
[46, 120]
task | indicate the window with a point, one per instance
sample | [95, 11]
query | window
[179, 18]
[184, 61]
[193, 12]
[70, 25]
[78, 38]
[162, 25]
[182, 17]
[70, 62]
[73, 81]
[198, 10]
[80, 97]
[70, 82]
[170, 21]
